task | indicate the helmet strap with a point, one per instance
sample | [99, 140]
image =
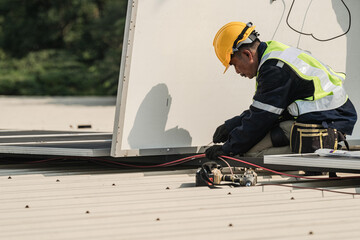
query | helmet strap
[252, 37]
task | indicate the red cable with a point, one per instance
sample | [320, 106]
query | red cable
[281, 173]
[168, 164]
[190, 158]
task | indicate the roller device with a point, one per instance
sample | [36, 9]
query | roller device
[210, 174]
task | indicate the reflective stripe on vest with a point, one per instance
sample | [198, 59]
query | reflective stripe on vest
[329, 92]
[267, 107]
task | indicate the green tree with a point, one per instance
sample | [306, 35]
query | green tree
[60, 47]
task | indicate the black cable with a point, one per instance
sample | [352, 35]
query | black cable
[310, 34]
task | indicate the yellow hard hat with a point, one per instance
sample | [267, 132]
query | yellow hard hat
[229, 38]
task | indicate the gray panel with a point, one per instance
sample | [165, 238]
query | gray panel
[314, 160]
[61, 143]
[44, 138]
[5, 132]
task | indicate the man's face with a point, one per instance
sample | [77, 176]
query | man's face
[244, 64]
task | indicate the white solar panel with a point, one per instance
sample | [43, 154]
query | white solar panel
[172, 93]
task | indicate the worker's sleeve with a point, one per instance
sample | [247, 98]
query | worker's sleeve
[270, 100]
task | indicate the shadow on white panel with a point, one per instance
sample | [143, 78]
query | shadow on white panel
[149, 130]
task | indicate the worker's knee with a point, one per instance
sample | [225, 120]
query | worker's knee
[286, 127]
[278, 137]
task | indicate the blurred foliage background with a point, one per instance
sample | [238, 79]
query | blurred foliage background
[60, 47]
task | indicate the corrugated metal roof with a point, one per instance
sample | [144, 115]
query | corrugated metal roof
[52, 203]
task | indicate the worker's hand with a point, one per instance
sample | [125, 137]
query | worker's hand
[214, 152]
[221, 134]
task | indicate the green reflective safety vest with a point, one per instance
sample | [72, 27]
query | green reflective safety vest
[329, 92]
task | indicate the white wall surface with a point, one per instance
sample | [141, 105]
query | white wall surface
[173, 92]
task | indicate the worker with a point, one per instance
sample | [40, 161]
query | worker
[299, 105]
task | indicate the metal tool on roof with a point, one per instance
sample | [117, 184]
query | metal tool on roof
[210, 174]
